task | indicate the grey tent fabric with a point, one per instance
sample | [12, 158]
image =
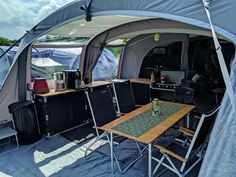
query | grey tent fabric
[14, 88]
[9, 93]
[135, 52]
[5, 66]
[21, 76]
[184, 54]
[221, 149]
[145, 26]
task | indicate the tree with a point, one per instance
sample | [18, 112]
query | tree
[5, 41]
[116, 51]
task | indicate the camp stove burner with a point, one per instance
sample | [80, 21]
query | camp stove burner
[165, 86]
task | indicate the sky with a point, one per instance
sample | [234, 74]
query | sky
[18, 16]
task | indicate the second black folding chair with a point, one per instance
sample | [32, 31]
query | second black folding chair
[123, 95]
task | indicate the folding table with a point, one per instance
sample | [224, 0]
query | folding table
[140, 125]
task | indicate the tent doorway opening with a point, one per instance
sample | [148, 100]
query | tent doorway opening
[203, 72]
[162, 56]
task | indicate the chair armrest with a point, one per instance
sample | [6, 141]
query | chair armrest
[166, 151]
[186, 131]
[96, 127]
[197, 117]
[121, 114]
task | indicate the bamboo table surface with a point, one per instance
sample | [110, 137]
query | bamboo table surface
[54, 92]
[141, 81]
[150, 135]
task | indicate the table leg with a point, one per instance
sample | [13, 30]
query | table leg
[150, 160]
[111, 146]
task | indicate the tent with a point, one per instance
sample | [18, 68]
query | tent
[69, 58]
[102, 22]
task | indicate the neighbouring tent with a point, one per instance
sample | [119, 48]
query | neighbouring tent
[104, 21]
[46, 61]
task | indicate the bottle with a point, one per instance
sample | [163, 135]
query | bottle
[155, 107]
[77, 80]
[152, 77]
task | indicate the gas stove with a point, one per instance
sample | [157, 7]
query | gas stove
[169, 86]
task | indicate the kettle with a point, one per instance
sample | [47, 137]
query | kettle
[40, 86]
[59, 78]
[60, 85]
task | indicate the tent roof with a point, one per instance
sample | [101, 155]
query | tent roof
[97, 25]
[69, 20]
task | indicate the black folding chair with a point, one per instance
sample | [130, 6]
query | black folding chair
[184, 95]
[196, 148]
[123, 95]
[103, 111]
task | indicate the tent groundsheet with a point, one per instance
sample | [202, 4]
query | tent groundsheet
[60, 157]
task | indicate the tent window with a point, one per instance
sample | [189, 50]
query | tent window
[107, 65]
[168, 57]
[6, 62]
[47, 61]
[203, 60]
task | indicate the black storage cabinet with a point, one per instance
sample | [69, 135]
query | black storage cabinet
[26, 123]
[60, 112]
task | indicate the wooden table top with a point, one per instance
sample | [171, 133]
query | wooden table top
[97, 84]
[153, 133]
[141, 81]
[54, 92]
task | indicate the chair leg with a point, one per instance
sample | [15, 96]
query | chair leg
[17, 141]
[192, 166]
[158, 165]
[184, 143]
[175, 170]
[128, 166]
[89, 147]
[139, 149]
[169, 166]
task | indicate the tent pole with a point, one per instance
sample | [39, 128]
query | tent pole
[11, 47]
[225, 73]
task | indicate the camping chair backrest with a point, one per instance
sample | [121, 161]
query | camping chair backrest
[101, 106]
[124, 96]
[203, 129]
[184, 94]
